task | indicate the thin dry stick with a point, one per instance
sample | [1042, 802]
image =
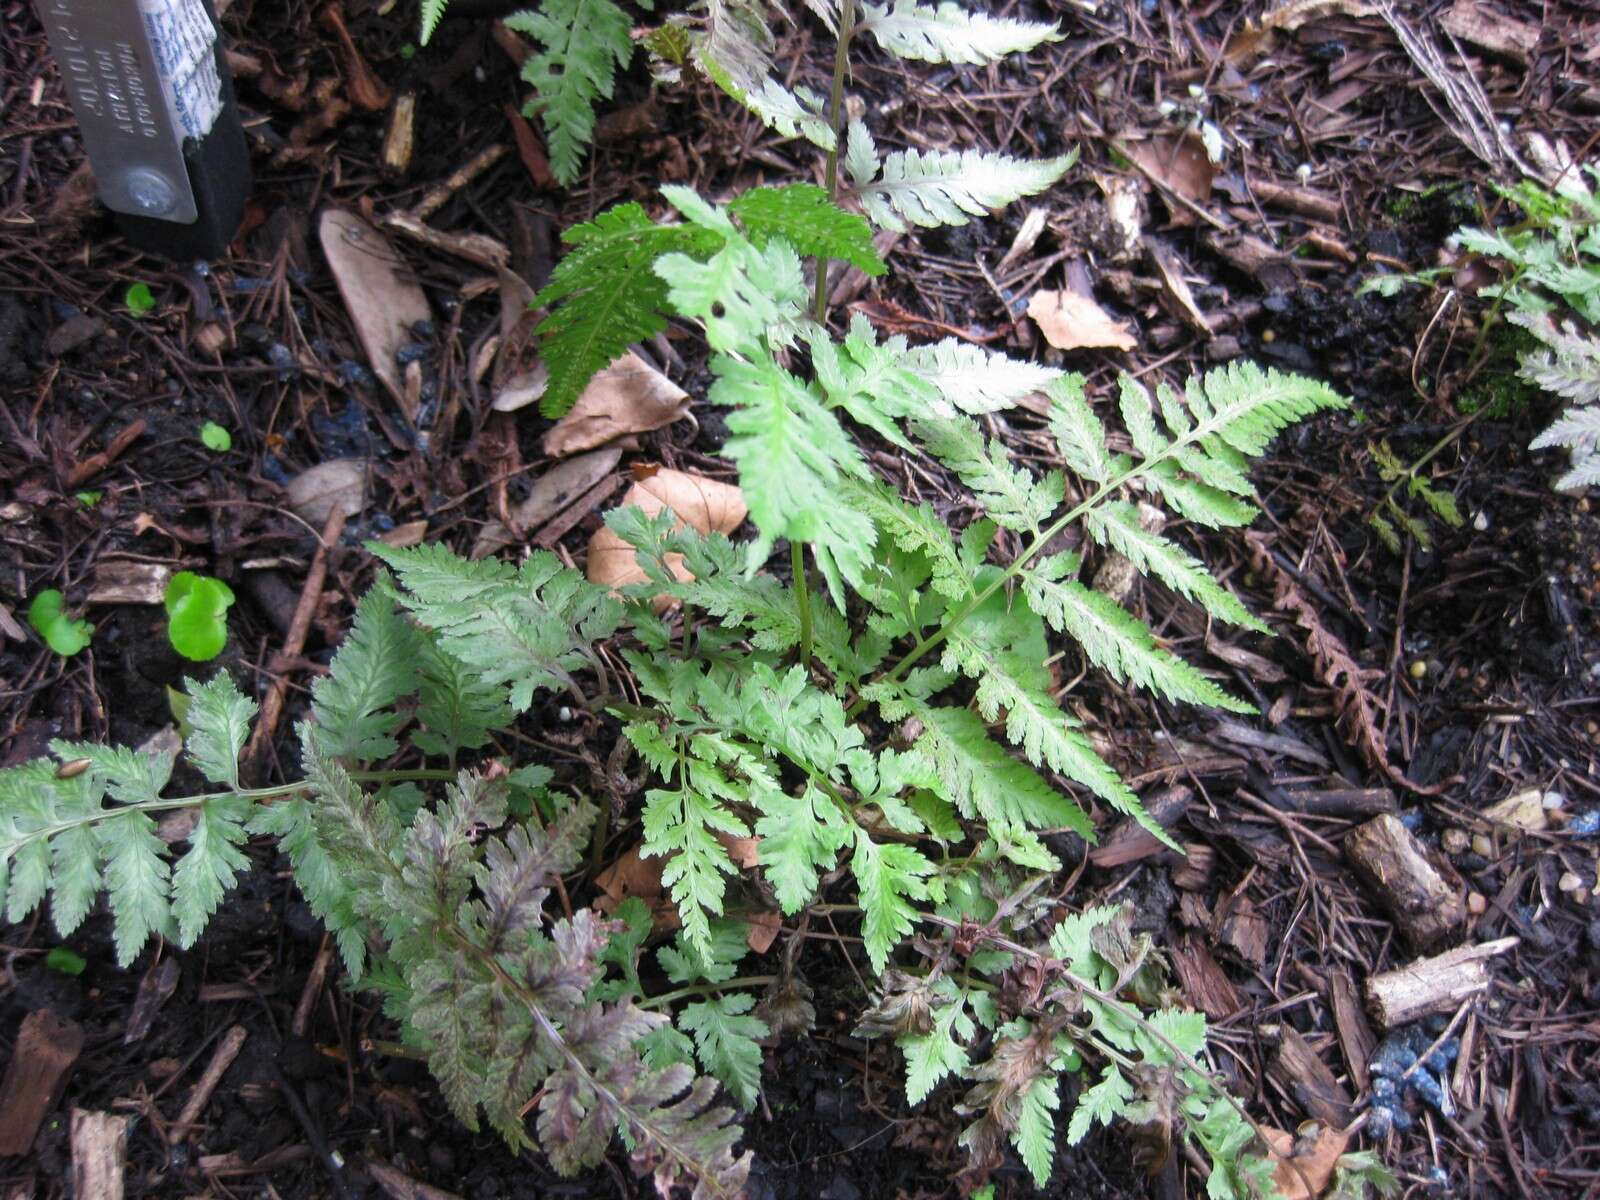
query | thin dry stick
[294, 642]
[227, 1050]
[313, 988]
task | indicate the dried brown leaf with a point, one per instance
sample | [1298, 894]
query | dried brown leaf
[703, 504]
[1305, 1162]
[630, 396]
[380, 292]
[1070, 321]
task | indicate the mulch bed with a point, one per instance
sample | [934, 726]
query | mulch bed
[1432, 684]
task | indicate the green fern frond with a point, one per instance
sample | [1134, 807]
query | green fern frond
[585, 43]
[1114, 639]
[1009, 494]
[432, 14]
[802, 215]
[1116, 525]
[528, 626]
[353, 704]
[950, 34]
[890, 876]
[727, 1040]
[940, 187]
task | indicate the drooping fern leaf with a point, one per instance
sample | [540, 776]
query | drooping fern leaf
[585, 43]
[432, 14]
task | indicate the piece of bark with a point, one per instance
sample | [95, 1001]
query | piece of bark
[99, 1155]
[1428, 907]
[157, 986]
[47, 1046]
[1356, 1038]
[1202, 979]
[1432, 985]
[1302, 1073]
[1194, 872]
[1130, 841]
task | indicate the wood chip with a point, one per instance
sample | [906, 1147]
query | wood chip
[121, 581]
[1432, 985]
[1205, 984]
[47, 1046]
[99, 1155]
[1423, 892]
[1491, 29]
[1356, 1038]
[1303, 1074]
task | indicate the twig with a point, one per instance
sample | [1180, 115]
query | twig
[295, 640]
[95, 463]
[313, 988]
[227, 1050]
[438, 197]
[332, 1162]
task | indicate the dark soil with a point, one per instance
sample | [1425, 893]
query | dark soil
[1478, 655]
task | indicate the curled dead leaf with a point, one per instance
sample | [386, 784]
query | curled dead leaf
[630, 396]
[1305, 1162]
[702, 504]
[1071, 321]
[338, 483]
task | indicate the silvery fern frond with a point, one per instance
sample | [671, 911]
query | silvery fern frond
[432, 14]
[950, 34]
[973, 380]
[940, 187]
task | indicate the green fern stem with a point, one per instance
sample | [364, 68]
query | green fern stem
[841, 65]
[802, 591]
[707, 989]
[169, 803]
[1205, 429]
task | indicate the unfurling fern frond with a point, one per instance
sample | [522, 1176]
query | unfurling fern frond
[585, 43]
[940, 187]
[950, 34]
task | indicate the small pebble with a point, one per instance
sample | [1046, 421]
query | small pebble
[1392, 1058]
[1585, 824]
[1553, 800]
[1418, 669]
[1412, 819]
[1477, 903]
[1569, 882]
[1482, 844]
[1433, 1093]
[411, 352]
[1455, 841]
[1438, 1178]
[1481, 522]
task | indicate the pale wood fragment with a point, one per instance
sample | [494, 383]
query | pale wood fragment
[99, 1154]
[1432, 985]
[1428, 908]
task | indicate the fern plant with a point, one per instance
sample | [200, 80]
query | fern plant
[755, 709]
[1551, 289]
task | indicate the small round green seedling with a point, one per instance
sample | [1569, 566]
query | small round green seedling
[197, 615]
[65, 962]
[88, 499]
[61, 633]
[141, 301]
[215, 437]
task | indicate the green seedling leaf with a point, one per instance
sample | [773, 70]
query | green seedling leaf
[215, 437]
[141, 301]
[88, 499]
[65, 962]
[61, 633]
[197, 612]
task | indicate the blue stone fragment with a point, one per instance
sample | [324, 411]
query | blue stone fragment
[1393, 1058]
[1381, 1121]
[1438, 1178]
[1384, 1090]
[1585, 824]
[1444, 1055]
[1430, 1089]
